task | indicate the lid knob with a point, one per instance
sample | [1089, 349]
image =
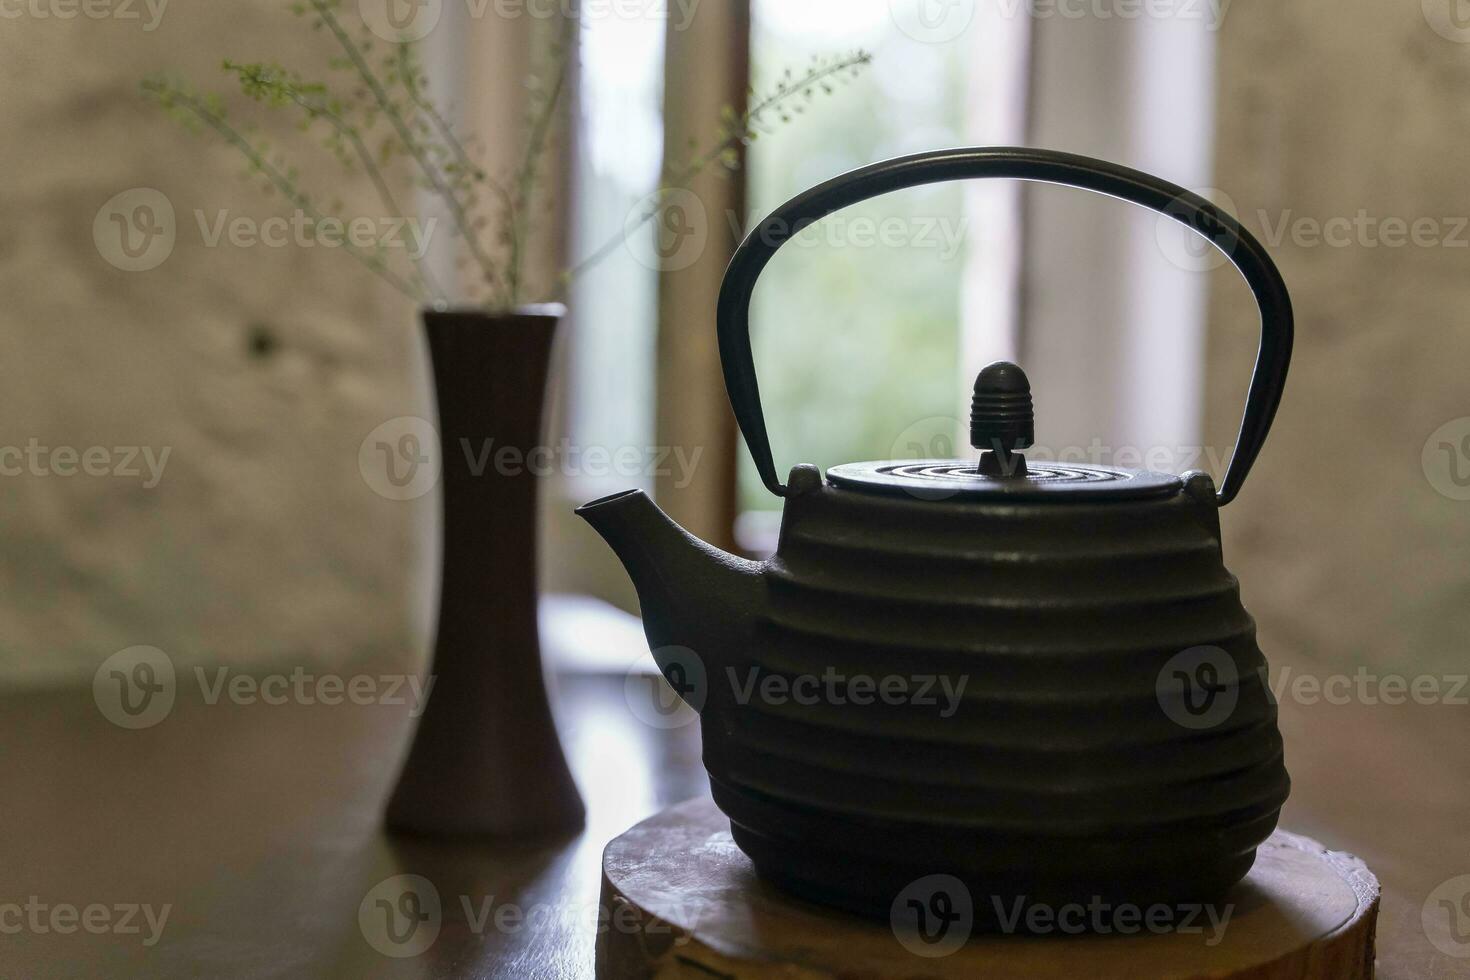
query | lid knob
[1001, 419]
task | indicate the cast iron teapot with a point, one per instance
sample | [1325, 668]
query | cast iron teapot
[1035, 677]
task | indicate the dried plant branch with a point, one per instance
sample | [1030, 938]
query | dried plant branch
[525, 178]
[736, 131]
[416, 128]
[420, 156]
[178, 99]
[271, 83]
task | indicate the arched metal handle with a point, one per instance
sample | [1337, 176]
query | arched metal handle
[1048, 166]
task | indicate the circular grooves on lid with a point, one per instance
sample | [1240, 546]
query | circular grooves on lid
[958, 479]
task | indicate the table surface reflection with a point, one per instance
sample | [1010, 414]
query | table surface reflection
[258, 826]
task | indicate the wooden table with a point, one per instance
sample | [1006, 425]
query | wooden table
[258, 826]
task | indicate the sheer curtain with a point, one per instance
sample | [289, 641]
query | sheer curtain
[1114, 297]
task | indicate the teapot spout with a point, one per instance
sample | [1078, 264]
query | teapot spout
[693, 595]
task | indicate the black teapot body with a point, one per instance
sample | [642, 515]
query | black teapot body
[1035, 679]
[1058, 701]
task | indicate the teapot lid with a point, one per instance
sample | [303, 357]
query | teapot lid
[1002, 423]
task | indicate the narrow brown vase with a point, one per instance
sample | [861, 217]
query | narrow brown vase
[486, 759]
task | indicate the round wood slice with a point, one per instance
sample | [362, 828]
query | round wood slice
[683, 902]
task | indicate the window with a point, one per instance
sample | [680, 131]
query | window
[859, 323]
[868, 327]
[613, 305]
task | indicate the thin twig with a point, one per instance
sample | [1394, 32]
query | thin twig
[526, 176]
[431, 173]
[462, 159]
[316, 108]
[738, 135]
[282, 183]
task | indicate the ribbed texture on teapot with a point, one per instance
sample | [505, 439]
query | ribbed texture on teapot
[1061, 618]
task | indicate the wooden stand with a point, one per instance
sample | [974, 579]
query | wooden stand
[683, 901]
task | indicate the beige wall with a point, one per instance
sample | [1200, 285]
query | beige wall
[262, 540]
[1346, 550]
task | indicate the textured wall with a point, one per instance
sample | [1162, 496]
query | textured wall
[262, 541]
[1349, 539]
